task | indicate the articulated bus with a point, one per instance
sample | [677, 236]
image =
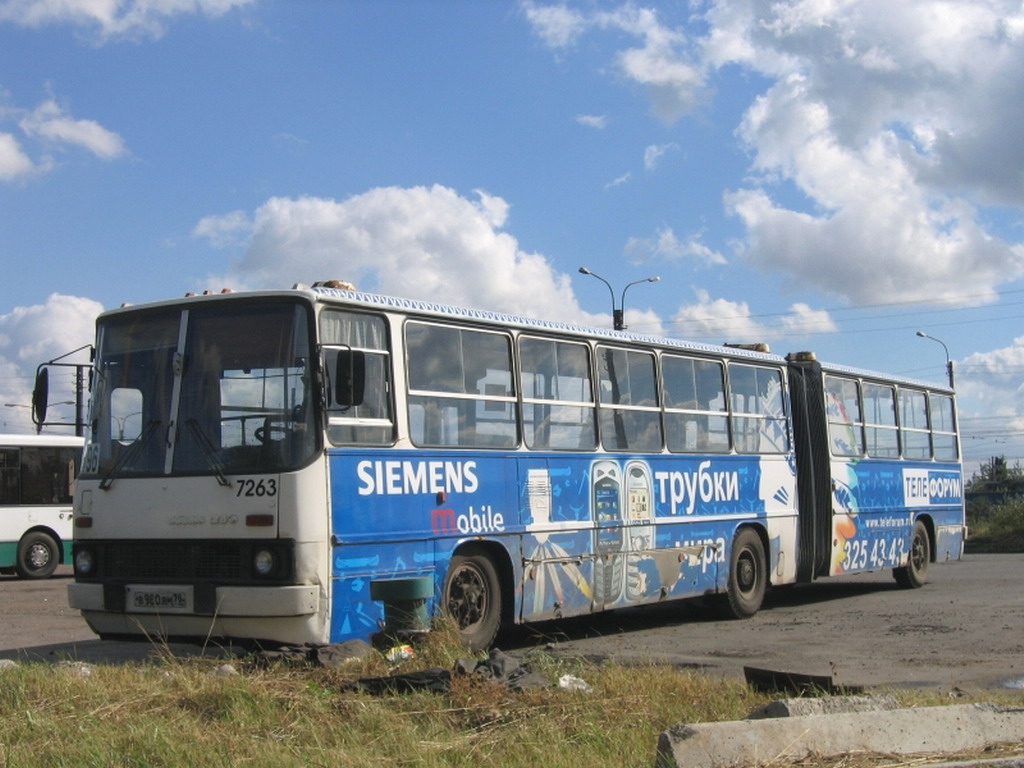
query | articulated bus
[264, 465]
[37, 483]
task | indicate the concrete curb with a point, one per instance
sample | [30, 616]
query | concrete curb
[828, 705]
[896, 731]
[996, 762]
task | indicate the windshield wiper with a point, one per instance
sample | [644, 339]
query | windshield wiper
[208, 449]
[129, 455]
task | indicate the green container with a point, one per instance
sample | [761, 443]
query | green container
[405, 603]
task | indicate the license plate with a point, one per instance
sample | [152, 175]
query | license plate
[155, 599]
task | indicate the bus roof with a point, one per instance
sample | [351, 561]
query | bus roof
[444, 310]
[27, 440]
[509, 320]
[436, 309]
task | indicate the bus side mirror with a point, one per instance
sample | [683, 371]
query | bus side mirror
[349, 378]
[41, 396]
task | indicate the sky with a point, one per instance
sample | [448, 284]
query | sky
[821, 175]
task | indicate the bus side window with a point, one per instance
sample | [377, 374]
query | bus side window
[460, 387]
[758, 412]
[694, 395]
[914, 424]
[943, 427]
[10, 476]
[842, 403]
[630, 417]
[357, 364]
[880, 421]
[558, 401]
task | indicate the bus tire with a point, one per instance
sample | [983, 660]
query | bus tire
[748, 576]
[915, 573]
[472, 597]
[38, 556]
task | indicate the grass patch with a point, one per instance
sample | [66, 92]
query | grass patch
[996, 529]
[180, 713]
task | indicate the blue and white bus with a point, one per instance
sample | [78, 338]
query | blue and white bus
[37, 483]
[259, 464]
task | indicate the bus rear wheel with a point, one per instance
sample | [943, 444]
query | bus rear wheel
[748, 576]
[472, 597]
[915, 573]
[37, 556]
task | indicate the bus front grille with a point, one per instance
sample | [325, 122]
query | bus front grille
[188, 562]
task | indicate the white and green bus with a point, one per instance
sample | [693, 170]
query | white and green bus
[37, 485]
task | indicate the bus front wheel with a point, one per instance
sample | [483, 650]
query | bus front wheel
[915, 572]
[748, 576]
[37, 556]
[472, 597]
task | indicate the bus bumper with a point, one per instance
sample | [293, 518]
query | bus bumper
[301, 600]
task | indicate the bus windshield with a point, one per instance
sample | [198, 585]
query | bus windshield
[208, 390]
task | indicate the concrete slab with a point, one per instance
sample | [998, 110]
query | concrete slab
[900, 731]
[827, 705]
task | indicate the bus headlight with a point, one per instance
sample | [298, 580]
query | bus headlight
[84, 562]
[263, 562]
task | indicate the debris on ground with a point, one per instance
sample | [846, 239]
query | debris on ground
[498, 667]
[331, 655]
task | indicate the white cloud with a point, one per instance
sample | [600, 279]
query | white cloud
[557, 25]
[665, 245]
[661, 63]
[34, 334]
[619, 180]
[654, 152]
[423, 242]
[719, 320]
[875, 233]
[111, 18]
[48, 121]
[225, 230]
[592, 121]
[890, 121]
[14, 163]
[803, 320]
[48, 129]
[879, 144]
[991, 383]
[724, 321]
[999, 369]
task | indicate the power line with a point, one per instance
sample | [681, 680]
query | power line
[681, 325]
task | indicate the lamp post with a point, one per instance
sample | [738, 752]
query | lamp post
[949, 363]
[121, 420]
[617, 312]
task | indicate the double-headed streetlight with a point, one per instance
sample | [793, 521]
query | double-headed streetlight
[949, 363]
[617, 312]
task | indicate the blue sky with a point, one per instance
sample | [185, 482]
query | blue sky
[818, 175]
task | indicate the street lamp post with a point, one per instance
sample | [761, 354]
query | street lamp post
[949, 362]
[617, 312]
